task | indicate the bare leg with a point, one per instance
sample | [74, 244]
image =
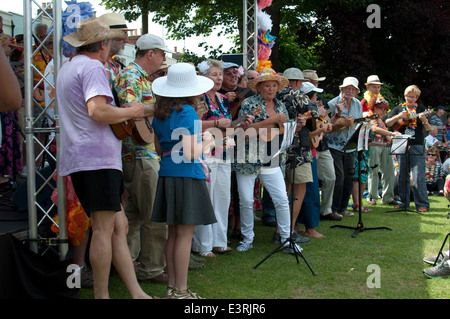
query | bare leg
[299, 195]
[121, 257]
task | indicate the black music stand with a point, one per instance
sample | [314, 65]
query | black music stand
[400, 146]
[352, 144]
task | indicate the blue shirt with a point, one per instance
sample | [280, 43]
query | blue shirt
[337, 140]
[169, 132]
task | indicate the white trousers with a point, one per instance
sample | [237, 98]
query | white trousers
[215, 235]
[275, 185]
[325, 171]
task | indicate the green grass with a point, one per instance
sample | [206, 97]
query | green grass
[340, 262]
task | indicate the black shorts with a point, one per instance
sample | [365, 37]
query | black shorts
[99, 190]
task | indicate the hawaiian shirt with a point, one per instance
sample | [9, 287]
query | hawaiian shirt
[133, 84]
[251, 163]
[298, 103]
[217, 110]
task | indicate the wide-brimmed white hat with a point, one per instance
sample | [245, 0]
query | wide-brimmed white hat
[150, 41]
[92, 30]
[268, 75]
[350, 81]
[373, 79]
[308, 87]
[181, 81]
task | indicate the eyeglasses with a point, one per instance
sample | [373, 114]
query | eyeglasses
[429, 154]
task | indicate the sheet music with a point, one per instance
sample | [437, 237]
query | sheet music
[288, 136]
[400, 144]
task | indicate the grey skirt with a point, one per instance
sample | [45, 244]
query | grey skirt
[182, 201]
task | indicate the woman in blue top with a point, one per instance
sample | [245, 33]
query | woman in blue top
[182, 199]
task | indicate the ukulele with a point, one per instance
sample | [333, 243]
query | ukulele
[271, 132]
[400, 124]
[356, 121]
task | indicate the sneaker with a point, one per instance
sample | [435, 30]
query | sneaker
[244, 246]
[439, 271]
[440, 258]
[292, 249]
[347, 213]
[299, 239]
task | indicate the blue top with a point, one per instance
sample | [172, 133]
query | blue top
[169, 132]
[338, 139]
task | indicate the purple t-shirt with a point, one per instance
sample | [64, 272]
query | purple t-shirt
[85, 144]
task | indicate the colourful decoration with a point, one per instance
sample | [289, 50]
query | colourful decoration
[264, 4]
[265, 40]
[77, 220]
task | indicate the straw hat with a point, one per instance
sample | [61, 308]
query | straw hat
[181, 81]
[312, 75]
[116, 21]
[373, 79]
[268, 75]
[92, 30]
[350, 81]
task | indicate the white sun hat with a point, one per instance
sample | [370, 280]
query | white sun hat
[181, 81]
[350, 81]
[308, 87]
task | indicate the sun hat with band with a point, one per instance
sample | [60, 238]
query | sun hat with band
[350, 81]
[268, 75]
[181, 81]
[92, 30]
[116, 21]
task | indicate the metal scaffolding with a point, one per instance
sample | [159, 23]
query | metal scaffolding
[38, 149]
[250, 33]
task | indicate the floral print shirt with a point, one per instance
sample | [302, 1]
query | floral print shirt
[133, 84]
[250, 163]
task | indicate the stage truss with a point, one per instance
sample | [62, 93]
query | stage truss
[38, 149]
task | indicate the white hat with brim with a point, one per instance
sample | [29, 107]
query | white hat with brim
[181, 81]
[373, 79]
[92, 30]
[116, 21]
[309, 87]
[350, 81]
[150, 41]
[268, 75]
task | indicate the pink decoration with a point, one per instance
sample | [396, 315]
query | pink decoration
[264, 52]
[264, 4]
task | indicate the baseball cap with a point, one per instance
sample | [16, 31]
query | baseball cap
[150, 41]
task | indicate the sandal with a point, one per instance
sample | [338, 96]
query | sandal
[363, 208]
[422, 210]
[222, 250]
[206, 254]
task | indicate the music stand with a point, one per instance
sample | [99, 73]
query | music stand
[400, 146]
[352, 144]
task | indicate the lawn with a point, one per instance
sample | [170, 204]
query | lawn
[376, 264]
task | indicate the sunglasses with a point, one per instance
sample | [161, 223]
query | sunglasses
[429, 154]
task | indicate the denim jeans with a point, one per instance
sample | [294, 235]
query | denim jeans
[414, 162]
